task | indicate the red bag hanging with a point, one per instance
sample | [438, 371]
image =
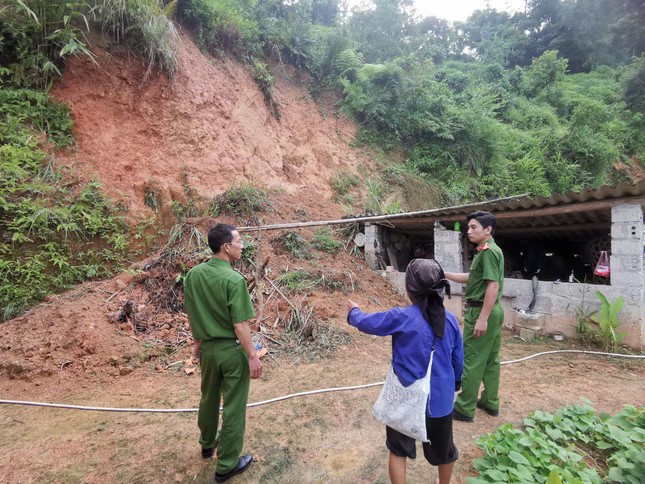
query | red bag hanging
[602, 267]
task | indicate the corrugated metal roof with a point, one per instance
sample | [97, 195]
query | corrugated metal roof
[573, 214]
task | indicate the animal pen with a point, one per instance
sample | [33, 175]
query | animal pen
[551, 246]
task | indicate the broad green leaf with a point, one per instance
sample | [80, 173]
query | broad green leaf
[616, 474]
[554, 477]
[602, 445]
[525, 441]
[524, 473]
[496, 475]
[619, 435]
[555, 434]
[518, 458]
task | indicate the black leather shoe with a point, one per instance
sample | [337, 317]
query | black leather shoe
[461, 417]
[243, 464]
[489, 411]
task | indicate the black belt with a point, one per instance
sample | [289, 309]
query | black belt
[474, 304]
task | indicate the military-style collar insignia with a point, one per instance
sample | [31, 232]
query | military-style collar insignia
[483, 247]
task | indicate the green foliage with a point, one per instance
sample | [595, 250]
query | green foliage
[50, 236]
[294, 243]
[341, 183]
[300, 281]
[634, 86]
[265, 82]
[561, 447]
[324, 239]
[223, 24]
[383, 32]
[144, 26]
[607, 319]
[544, 73]
[36, 37]
[242, 201]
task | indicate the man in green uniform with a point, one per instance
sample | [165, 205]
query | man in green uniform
[219, 307]
[483, 320]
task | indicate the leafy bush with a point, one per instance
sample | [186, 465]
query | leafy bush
[36, 37]
[607, 320]
[242, 201]
[572, 445]
[294, 243]
[223, 24]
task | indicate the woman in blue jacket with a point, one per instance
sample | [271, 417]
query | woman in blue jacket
[414, 330]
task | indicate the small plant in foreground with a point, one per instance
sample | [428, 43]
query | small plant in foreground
[607, 319]
[572, 445]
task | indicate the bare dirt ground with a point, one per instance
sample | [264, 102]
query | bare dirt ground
[328, 437]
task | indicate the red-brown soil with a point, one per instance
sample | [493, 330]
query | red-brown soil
[210, 130]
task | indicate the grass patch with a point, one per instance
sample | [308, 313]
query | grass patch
[341, 184]
[144, 27]
[324, 240]
[293, 243]
[243, 201]
[300, 281]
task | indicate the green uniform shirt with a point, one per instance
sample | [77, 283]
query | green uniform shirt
[216, 297]
[488, 265]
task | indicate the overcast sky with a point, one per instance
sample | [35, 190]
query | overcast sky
[458, 9]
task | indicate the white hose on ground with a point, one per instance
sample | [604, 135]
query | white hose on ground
[278, 399]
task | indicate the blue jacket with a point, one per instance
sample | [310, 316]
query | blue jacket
[412, 339]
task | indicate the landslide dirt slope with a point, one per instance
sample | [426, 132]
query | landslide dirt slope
[209, 128]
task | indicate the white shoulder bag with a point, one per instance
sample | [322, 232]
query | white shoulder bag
[404, 408]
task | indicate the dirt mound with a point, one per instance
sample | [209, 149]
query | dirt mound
[208, 129]
[137, 322]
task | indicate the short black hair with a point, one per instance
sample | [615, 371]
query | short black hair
[487, 219]
[218, 235]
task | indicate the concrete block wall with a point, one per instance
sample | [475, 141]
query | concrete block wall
[449, 253]
[627, 259]
[372, 245]
[558, 304]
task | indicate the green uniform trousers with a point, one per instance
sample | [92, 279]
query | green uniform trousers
[481, 362]
[225, 374]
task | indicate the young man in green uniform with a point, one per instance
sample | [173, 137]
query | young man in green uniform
[483, 320]
[219, 307]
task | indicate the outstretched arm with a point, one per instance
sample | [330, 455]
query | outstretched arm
[461, 277]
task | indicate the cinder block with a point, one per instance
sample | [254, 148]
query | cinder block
[527, 334]
[627, 263]
[627, 213]
[633, 247]
[625, 279]
[626, 231]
